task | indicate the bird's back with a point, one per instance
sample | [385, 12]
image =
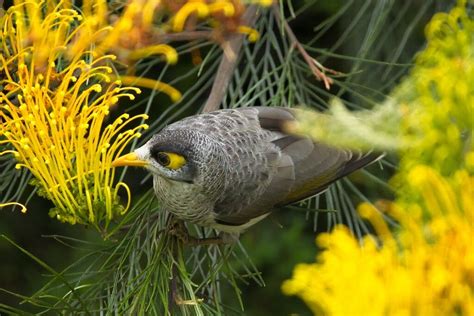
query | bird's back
[268, 167]
[260, 166]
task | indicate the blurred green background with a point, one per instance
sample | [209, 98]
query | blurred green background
[389, 32]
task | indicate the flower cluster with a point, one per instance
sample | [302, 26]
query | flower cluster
[426, 266]
[424, 269]
[58, 86]
[438, 97]
[127, 34]
[55, 99]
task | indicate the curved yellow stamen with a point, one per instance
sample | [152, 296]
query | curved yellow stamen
[129, 195]
[13, 152]
[168, 51]
[226, 7]
[108, 203]
[23, 208]
[252, 34]
[174, 94]
[148, 11]
[182, 15]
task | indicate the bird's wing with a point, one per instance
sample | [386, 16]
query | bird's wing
[280, 185]
[306, 167]
[320, 168]
[316, 165]
[252, 195]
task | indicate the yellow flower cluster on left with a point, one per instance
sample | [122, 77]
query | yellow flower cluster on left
[55, 100]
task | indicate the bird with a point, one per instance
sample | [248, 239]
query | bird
[230, 168]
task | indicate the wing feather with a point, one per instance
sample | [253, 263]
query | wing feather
[304, 167]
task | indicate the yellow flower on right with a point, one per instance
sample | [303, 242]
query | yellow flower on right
[426, 265]
[425, 268]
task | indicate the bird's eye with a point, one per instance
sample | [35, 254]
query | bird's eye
[163, 159]
[170, 160]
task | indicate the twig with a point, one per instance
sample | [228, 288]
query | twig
[173, 296]
[226, 68]
[313, 64]
[175, 242]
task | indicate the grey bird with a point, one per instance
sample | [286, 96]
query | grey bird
[230, 168]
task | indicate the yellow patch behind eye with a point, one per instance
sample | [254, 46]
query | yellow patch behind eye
[176, 161]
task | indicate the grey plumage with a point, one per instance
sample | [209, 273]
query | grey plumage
[240, 165]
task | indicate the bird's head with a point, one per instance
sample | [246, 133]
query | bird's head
[172, 154]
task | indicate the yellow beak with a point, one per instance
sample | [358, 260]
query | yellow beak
[129, 160]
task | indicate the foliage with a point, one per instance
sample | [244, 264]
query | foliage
[146, 271]
[143, 267]
[432, 247]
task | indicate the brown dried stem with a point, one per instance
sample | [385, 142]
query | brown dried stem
[182, 36]
[313, 64]
[231, 47]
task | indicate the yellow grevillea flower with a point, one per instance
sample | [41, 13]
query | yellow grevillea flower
[127, 38]
[53, 111]
[426, 269]
[128, 33]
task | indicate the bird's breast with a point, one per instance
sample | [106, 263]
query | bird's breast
[185, 200]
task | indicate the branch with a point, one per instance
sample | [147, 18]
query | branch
[313, 64]
[229, 60]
